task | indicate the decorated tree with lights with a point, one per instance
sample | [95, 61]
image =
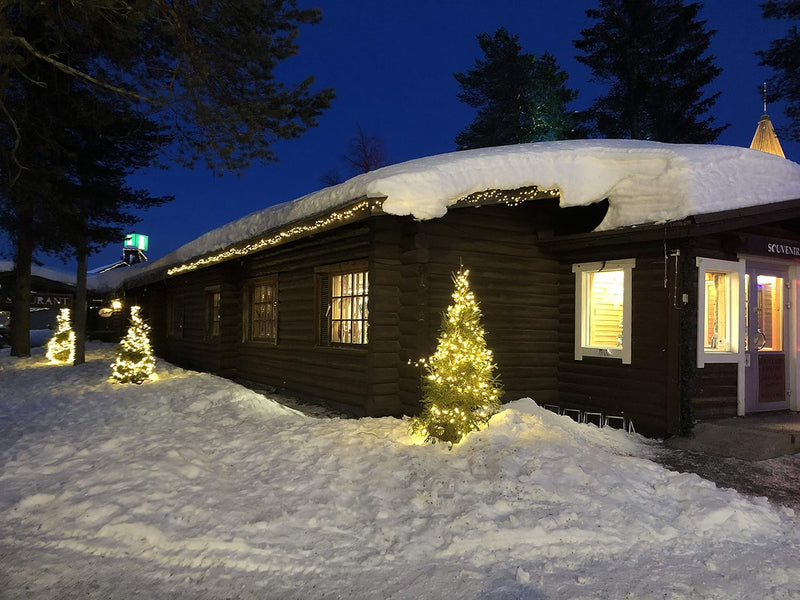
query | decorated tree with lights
[460, 390]
[61, 347]
[135, 361]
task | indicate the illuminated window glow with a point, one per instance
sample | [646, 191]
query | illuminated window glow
[343, 301]
[606, 298]
[262, 316]
[720, 293]
[348, 308]
[603, 309]
[717, 314]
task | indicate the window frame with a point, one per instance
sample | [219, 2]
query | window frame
[582, 272]
[213, 321]
[325, 308]
[735, 293]
[176, 316]
[248, 319]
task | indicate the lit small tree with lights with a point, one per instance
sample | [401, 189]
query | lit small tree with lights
[460, 390]
[61, 347]
[135, 360]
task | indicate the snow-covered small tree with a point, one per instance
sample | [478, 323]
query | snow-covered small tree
[61, 347]
[135, 360]
[460, 390]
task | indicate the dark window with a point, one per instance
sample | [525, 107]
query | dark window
[175, 317]
[213, 300]
[262, 311]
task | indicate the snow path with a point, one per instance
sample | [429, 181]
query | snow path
[194, 487]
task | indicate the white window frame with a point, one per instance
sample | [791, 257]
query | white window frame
[582, 272]
[736, 270]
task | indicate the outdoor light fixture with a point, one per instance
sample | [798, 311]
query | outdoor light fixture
[116, 304]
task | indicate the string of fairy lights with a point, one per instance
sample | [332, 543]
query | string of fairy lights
[135, 361]
[61, 346]
[337, 217]
[360, 208]
[510, 198]
[460, 389]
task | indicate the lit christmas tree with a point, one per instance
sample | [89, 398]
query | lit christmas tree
[135, 361]
[460, 390]
[61, 347]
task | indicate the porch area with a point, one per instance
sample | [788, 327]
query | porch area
[752, 438]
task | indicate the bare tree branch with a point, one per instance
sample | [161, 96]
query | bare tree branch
[78, 73]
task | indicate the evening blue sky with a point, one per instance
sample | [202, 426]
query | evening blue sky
[392, 64]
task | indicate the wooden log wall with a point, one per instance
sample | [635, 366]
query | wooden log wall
[191, 348]
[296, 363]
[514, 281]
[715, 391]
[384, 359]
[647, 390]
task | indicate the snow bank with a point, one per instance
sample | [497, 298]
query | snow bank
[194, 487]
[645, 182]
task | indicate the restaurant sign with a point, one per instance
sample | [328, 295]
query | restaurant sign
[39, 300]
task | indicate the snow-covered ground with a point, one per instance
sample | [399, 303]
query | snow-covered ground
[192, 487]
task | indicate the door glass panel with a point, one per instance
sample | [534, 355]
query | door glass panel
[769, 334]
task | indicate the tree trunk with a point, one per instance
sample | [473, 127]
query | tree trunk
[21, 298]
[79, 310]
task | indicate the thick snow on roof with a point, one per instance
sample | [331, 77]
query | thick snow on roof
[645, 182]
[43, 272]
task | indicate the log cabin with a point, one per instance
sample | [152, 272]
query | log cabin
[620, 281]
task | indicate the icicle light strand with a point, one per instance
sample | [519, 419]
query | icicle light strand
[511, 198]
[493, 196]
[334, 218]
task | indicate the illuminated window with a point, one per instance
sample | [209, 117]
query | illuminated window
[603, 309]
[717, 314]
[344, 307]
[262, 311]
[719, 296]
[213, 299]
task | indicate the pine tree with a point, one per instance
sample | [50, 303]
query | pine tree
[135, 362]
[61, 347]
[519, 97]
[783, 56]
[167, 63]
[653, 55]
[460, 390]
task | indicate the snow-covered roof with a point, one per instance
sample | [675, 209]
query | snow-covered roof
[644, 182]
[43, 272]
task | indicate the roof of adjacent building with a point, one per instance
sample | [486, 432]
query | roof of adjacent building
[765, 139]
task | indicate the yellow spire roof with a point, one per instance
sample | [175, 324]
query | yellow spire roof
[765, 138]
